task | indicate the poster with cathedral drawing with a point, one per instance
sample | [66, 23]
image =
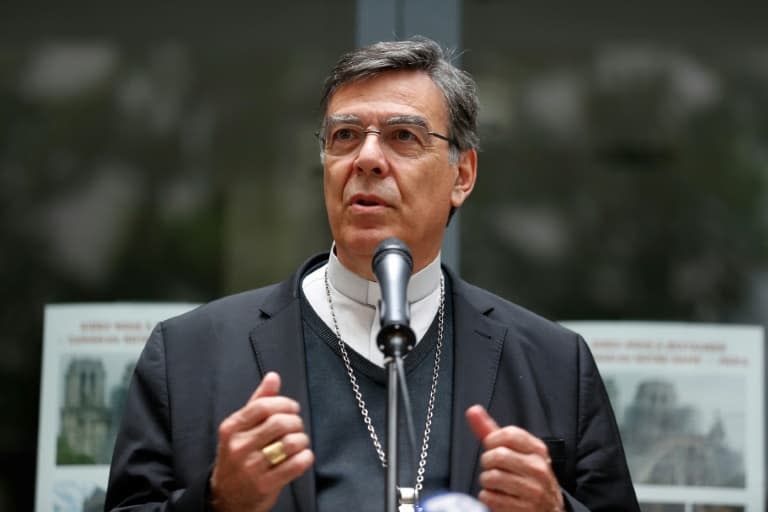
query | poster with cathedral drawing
[89, 352]
[688, 399]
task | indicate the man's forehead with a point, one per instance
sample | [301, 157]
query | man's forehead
[389, 94]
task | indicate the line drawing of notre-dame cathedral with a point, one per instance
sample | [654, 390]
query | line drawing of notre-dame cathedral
[88, 418]
[668, 442]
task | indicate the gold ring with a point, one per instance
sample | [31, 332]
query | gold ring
[274, 453]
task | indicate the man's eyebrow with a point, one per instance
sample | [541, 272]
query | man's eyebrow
[407, 119]
[343, 118]
[399, 119]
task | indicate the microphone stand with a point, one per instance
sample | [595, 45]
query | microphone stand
[394, 343]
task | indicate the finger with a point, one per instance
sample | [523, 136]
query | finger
[257, 411]
[515, 463]
[282, 474]
[295, 442]
[251, 415]
[495, 500]
[269, 386]
[254, 413]
[507, 483]
[517, 439]
[536, 494]
[276, 426]
[250, 441]
[481, 422]
[292, 444]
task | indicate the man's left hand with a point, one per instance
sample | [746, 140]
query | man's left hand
[516, 467]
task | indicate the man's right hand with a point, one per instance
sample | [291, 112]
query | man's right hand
[243, 479]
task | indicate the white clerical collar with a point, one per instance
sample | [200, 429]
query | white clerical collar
[359, 289]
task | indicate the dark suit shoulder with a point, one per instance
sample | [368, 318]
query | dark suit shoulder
[512, 315]
[236, 307]
[230, 319]
[225, 320]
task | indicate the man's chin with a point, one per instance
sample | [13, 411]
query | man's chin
[361, 245]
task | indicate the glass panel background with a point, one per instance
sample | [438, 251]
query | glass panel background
[625, 161]
[157, 152]
[165, 152]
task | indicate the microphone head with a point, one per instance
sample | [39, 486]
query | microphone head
[453, 502]
[392, 265]
[389, 245]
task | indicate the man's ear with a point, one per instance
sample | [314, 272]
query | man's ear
[465, 177]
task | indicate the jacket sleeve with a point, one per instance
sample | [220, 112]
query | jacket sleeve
[602, 477]
[142, 475]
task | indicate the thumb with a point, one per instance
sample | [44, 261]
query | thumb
[269, 386]
[480, 421]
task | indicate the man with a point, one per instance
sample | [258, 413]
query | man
[274, 399]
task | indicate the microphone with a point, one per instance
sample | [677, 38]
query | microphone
[453, 502]
[392, 265]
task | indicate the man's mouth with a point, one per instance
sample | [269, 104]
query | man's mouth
[367, 201]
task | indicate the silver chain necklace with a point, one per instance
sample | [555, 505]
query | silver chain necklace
[359, 396]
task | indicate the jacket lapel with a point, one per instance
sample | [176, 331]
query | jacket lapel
[478, 342]
[278, 342]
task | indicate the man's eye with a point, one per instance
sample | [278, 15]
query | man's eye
[344, 134]
[405, 135]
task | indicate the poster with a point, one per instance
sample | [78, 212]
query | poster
[688, 399]
[89, 352]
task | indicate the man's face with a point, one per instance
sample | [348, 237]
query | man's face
[379, 189]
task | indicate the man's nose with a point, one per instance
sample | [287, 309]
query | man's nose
[371, 156]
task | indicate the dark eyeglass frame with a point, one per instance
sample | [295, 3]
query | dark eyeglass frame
[322, 140]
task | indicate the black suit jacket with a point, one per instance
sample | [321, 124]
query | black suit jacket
[198, 368]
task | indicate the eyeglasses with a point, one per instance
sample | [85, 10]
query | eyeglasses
[405, 139]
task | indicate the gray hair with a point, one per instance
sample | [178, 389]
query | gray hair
[417, 54]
